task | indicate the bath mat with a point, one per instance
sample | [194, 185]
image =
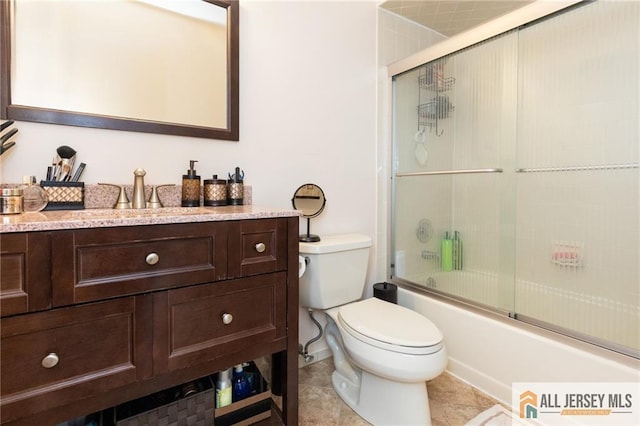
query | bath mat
[496, 416]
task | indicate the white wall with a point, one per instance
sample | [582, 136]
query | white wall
[397, 38]
[307, 114]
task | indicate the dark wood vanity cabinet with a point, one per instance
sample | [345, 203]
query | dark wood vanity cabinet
[25, 272]
[95, 317]
[95, 264]
[200, 322]
[54, 357]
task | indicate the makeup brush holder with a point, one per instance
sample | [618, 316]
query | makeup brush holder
[64, 195]
[235, 193]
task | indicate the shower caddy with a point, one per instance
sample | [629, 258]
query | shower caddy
[432, 81]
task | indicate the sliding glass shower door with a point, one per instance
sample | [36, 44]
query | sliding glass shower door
[454, 214]
[515, 174]
[577, 163]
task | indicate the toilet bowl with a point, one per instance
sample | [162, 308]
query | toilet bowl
[383, 353]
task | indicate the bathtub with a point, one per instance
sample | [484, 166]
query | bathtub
[592, 316]
[491, 351]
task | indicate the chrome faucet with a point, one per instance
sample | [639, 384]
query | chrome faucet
[139, 201]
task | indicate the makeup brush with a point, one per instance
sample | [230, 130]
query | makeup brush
[5, 144]
[67, 158]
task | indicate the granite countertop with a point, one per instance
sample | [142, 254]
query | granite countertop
[101, 218]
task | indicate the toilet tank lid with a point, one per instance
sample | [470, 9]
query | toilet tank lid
[336, 243]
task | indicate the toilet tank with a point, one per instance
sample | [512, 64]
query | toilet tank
[336, 270]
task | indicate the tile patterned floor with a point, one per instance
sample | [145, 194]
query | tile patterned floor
[452, 402]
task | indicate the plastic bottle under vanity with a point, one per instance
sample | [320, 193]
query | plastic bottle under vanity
[191, 187]
[224, 390]
[241, 387]
[34, 196]
[446, 253]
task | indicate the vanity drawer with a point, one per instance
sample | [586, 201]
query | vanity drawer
[94, 264]
[63, 355]
[199, 324]
[257, 247]
[25, 273]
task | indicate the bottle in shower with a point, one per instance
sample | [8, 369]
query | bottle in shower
[446, 253]
[457, 251]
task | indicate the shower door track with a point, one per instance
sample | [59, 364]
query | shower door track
[578, 168]
[448, 172]
[573, 334]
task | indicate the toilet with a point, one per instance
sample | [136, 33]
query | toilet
[383, 353]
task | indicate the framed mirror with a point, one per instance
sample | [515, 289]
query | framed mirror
[135, 65]
[310, 199]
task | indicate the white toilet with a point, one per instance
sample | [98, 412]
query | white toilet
[383, 352]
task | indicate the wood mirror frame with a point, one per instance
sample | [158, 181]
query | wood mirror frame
[53, 116]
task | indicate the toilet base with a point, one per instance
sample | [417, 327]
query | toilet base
[384, 402]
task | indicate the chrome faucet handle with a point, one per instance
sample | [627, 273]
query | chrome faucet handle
[154, 201]
[123, 202]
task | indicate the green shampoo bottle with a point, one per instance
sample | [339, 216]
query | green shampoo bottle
[446, 253]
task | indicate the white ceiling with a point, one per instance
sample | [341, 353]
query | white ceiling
[450, 17]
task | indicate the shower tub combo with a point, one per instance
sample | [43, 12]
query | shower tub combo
[515, 194]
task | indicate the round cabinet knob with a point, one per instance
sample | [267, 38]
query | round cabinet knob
[260, 247]
[152, 258]
[50, 360]
[227, 318]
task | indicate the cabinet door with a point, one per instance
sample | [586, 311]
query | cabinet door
[201, 323]
[25, 272]
[94, 264]
[64, 355]
[257, 247]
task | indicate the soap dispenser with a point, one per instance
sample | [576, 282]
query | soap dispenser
[191, 187]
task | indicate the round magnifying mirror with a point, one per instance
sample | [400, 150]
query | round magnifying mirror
[310, 199]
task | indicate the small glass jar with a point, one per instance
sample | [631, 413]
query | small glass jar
[35, 197]
[11, 200]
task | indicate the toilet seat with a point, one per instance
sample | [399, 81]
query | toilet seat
[391, 327]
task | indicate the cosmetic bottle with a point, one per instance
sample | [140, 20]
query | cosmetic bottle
[191, 187]
[12, 201]
[34, 196]
[223, 389]
[446, 255]
[457, 251]
[241, 388]
[215, 192]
